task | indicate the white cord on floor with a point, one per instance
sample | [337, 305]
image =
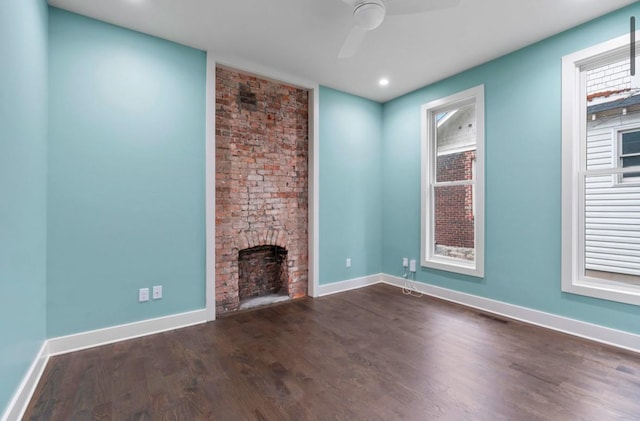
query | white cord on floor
[409, 286]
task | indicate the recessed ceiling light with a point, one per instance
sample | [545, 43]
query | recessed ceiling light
[384, 81]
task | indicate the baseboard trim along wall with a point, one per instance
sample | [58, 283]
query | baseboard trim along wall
[597, 333]
[92, 338]
[21, 398]
[341, 286]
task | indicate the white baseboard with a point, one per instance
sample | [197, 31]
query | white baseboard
[84, 340]
[90, 339]
[354, 283]
[573, 327]
[21, 398]
[76, 342]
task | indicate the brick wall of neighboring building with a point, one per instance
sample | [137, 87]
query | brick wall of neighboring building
[454, 217]
[261, 178]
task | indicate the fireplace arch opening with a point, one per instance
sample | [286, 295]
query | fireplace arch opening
[263, 275]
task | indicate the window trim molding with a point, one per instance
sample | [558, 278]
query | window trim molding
[573, 278]
[474, 96]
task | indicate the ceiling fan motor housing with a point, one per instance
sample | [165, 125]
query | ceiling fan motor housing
[369, 14]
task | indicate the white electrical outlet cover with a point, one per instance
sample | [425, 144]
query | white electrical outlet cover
[157, 292]
[412, 265]
[405, 262]
[143, 294]
[348, 262]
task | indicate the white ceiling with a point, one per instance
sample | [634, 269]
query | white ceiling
[301, 38]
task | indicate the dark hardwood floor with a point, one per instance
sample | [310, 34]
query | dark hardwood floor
[371, 354]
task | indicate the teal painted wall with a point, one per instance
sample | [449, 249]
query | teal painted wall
[126, 175]
[523, 178]
[350, 193]
[23, 188]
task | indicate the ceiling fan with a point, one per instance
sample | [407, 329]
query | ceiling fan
[369, 14]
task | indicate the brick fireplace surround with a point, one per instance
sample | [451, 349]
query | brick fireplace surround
[261, 178]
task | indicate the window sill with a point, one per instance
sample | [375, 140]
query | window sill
[453, 265]
[605, 290]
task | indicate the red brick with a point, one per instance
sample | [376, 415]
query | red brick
[261, 177]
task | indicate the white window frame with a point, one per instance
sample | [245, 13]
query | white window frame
[429, 259]
[574, 132]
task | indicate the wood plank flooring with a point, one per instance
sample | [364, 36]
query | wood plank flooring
[367, 354]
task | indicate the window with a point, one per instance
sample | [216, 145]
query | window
[630, 153]
[453, 183]
[601, 173]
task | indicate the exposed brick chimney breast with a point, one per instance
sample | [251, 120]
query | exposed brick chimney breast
[261, 181]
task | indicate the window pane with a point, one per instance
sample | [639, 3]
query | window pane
[610, 105]
[631, 143]
[631, 161]
[456, 144]
[612, 231]
[454, 222]
[608, 80]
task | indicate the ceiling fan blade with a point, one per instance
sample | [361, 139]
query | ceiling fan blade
[409, 7]
[352, 42]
